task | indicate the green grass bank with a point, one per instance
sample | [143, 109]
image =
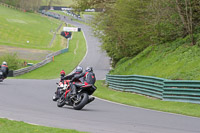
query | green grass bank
[67, 61]
[26, 30]
[175, 60]
[8, 126]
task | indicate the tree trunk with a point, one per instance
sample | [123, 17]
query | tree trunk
[181, 15]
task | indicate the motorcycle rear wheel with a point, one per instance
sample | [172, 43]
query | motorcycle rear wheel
[82, 102]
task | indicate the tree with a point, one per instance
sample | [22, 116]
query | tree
[185, 10]
[196, 12]
[29, 5]
[124, 29]
[164, 21]
[128, 27]
[81, 5]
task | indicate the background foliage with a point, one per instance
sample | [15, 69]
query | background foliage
[12, 60]
[34, 5]
[127, 27]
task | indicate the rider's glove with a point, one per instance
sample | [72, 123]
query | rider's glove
[72, 79]
[62, 78]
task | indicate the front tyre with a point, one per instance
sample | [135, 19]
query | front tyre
[1, 78]
[61, 101]
[82, 101]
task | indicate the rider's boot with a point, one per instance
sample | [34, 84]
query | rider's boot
[91, 99]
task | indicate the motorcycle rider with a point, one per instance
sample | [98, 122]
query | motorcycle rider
[88, 79]
[4, 69]
[78, 70]
[62, 74]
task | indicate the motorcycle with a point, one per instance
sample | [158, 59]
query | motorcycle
[1, 76]
[80, 99]
[61, 88]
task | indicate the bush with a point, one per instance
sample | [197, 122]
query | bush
[12, 60]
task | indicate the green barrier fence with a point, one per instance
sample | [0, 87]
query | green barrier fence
[64, 50]
[167, 90]
[182, 90]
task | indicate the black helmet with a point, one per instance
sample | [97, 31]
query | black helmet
[79, 69]
[89, 69]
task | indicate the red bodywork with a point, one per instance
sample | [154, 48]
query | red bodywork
[69, 89]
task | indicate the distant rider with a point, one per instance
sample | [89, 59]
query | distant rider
[4, 69]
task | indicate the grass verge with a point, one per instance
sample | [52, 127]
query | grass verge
[23, 29]
[8, 126]
[67, 61]
[145, 102]
[176, 60]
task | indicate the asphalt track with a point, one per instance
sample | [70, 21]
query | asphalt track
[95, 57]
[30, 101]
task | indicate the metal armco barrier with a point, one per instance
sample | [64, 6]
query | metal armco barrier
[50, 14]
[57, 53]
[48, 59]
[31, 68]
[182, 90]
[167, 90]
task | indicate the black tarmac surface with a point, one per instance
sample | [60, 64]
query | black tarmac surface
[31, 101]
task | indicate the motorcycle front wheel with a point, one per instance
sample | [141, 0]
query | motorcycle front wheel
[81, 102]
[61, 101]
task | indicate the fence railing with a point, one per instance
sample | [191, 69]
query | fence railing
[49, 14]
[10, 6]
[48, 59]
[31, 68]
[167, 90]
[181, 90]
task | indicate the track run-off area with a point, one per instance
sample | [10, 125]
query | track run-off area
[31, 101]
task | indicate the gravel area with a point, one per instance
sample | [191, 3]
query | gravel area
[24, 53]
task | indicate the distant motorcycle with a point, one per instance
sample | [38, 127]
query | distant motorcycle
[1, 76]
[79, 100]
